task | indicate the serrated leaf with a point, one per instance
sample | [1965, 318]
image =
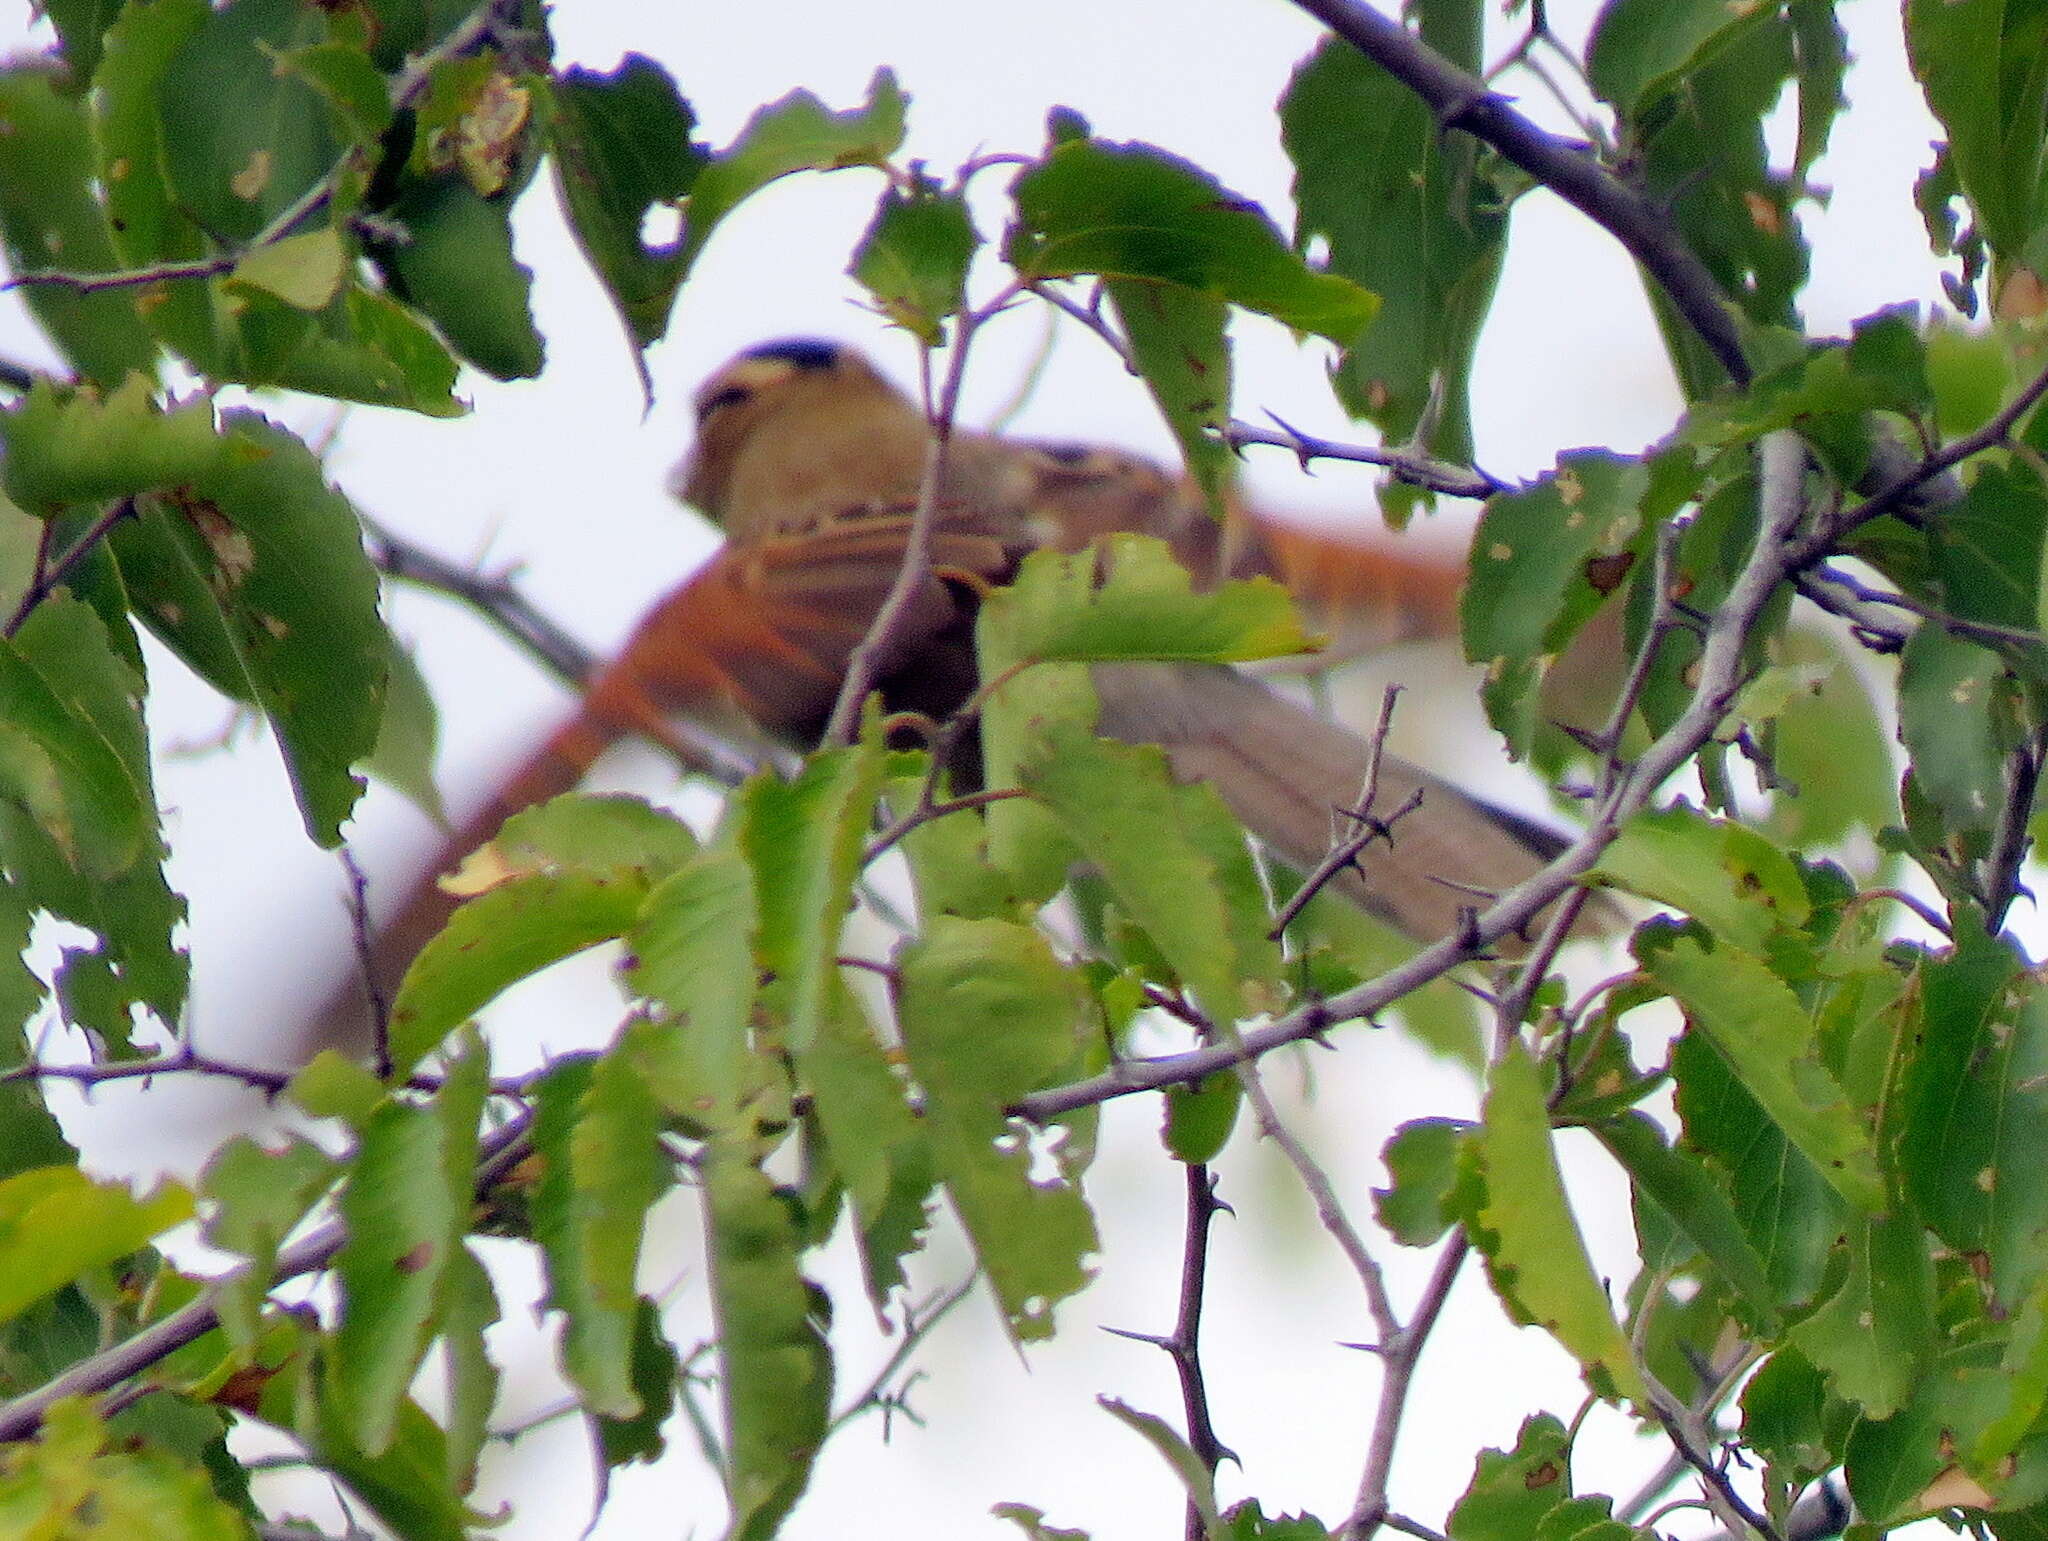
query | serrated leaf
[1694, 1205]
[78, 1478]
[777, 1380]
[1531, 589]
[597, 1130]
[257, 1196]
[408, 738]
[915, 255]
[469, 1306]
[621, 147]
[1527, 1492]
[797, 133]
[1410, 213]
[1872, 1337]
[148, 221]
[56, 1223]
[1726, 876]
[1977, 1106]
[1132, 211]
[1180, 345]
[805, 839]
[1422, 1161]
[1173, 856]
[49, 218]
[1757, 1023]
[693, 951]
[1957, 720]
[1522, 1224]
[1981, 65]
[656, 1370]
[988, 1014]
[457, 267]
[873, 1136]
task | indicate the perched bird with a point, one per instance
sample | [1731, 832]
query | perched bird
[812, 463]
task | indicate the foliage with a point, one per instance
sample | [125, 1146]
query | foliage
[1834, 1166]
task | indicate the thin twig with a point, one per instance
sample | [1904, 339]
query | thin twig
[1398, 1358]
[51, 572]
[1407, 466]
[863, 668]
[931, 809]
[500, 1150]
[1370, 827]
[918, 1321]
[364, 936]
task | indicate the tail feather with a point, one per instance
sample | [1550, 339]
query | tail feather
[1285, 772]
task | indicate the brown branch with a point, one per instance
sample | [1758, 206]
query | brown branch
[1343, 853]
[1406, 465]
[1462, 101]
[1183, 1346]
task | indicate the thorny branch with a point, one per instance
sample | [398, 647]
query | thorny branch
[1184, 1345]
[1418, 470]
[1370, 826]
[51, 571]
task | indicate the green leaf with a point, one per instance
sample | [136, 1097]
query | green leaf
[78, 1478]
[1983, 65]
[597, 1131]
[1642, 49]
[1527, 1492]
[408, 738]
[777, 1380]
[80, 25]
[1199, 1118]
[1728, 877]
[56, 1223]
[242, 140]
[1522, 1223]
[150, 224]
[406, 1485]
[305, 271]
[1785, 1416]
[366, 347]
[257, 1196]
[457, 267]
[1422, 1161]
[1872, 1337]
[621, 147]
[404, 1228]
[1957, 718]
[1694, 1205]
[555, 880]
[354, 88]
[874, 1138]
[50, 219]
[1410, 212]
[1535, 558]
[1757, 1023]
[1095, 209]
[915, 255]
[796, 133]
[693, 951]
[1175, 859]
[655, 1373]
[987, 1014]
[1178, 341]
[1126, 598]
[469, 1306]
[805, 839]
[1978, 1108]
[1970, 374]
[1196, 1478]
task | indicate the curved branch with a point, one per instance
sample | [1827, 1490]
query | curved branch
[1462, 101]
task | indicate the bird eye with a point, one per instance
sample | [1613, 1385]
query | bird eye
[731, 396]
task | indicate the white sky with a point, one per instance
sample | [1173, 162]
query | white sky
[564, 477]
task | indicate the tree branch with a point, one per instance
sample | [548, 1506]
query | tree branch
[1721, 673]
[1405, 464]
[1462, 101]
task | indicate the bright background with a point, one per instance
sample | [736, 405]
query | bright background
[562, 478]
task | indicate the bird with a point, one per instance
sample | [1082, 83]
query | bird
[812, 461]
